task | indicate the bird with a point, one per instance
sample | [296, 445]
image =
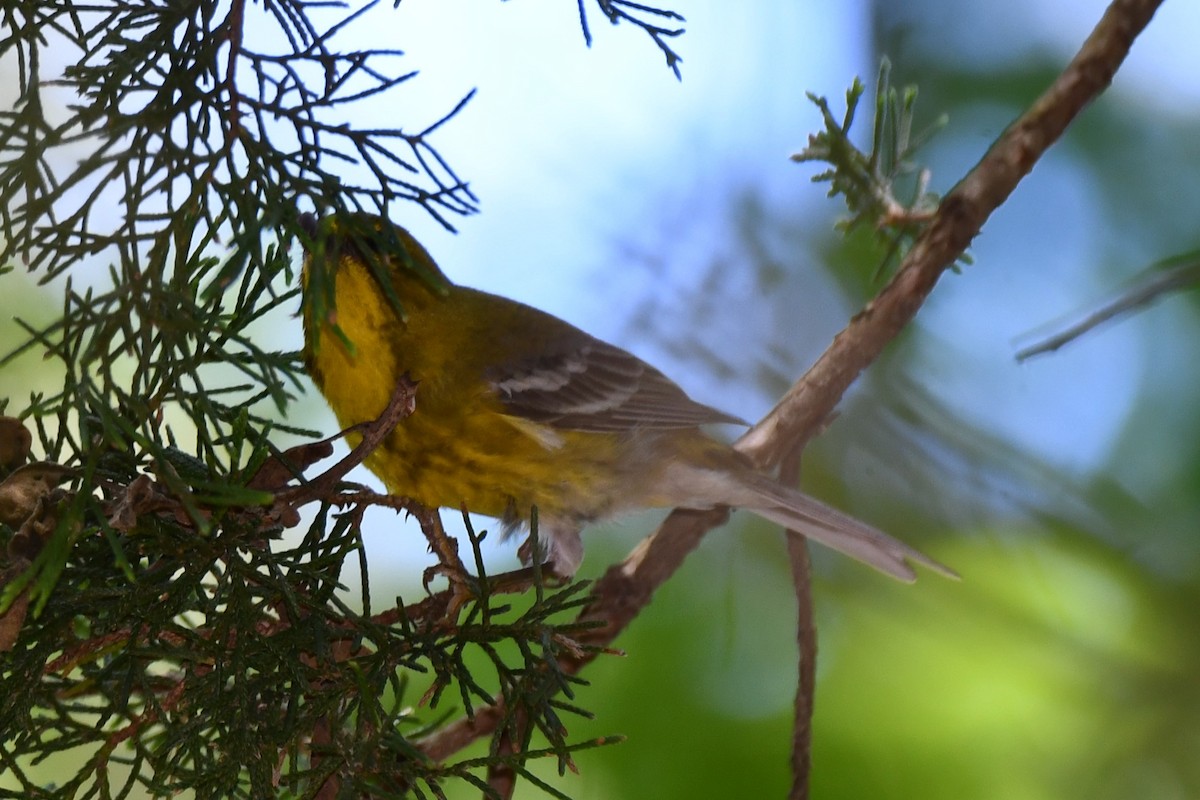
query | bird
[516, 409]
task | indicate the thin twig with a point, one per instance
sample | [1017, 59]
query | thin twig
[806, 682]
[1145, 292]
[806, 642]
[401, 405]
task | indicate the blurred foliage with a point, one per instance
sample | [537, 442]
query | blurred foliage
[1063, 665]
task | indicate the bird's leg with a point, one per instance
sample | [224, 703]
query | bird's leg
[554, 546]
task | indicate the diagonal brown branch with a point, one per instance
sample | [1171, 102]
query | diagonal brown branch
[958, 221]
[626, 588]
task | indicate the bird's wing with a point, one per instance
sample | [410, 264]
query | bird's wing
[597, 387]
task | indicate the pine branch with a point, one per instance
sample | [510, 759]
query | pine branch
[153, 613]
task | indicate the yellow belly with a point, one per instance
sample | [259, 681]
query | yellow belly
[458, 449]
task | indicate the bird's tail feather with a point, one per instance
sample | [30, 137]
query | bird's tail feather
[808, 516]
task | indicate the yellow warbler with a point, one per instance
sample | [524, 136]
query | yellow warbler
[516, 408]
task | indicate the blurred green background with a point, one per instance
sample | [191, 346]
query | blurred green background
[1066, 490]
